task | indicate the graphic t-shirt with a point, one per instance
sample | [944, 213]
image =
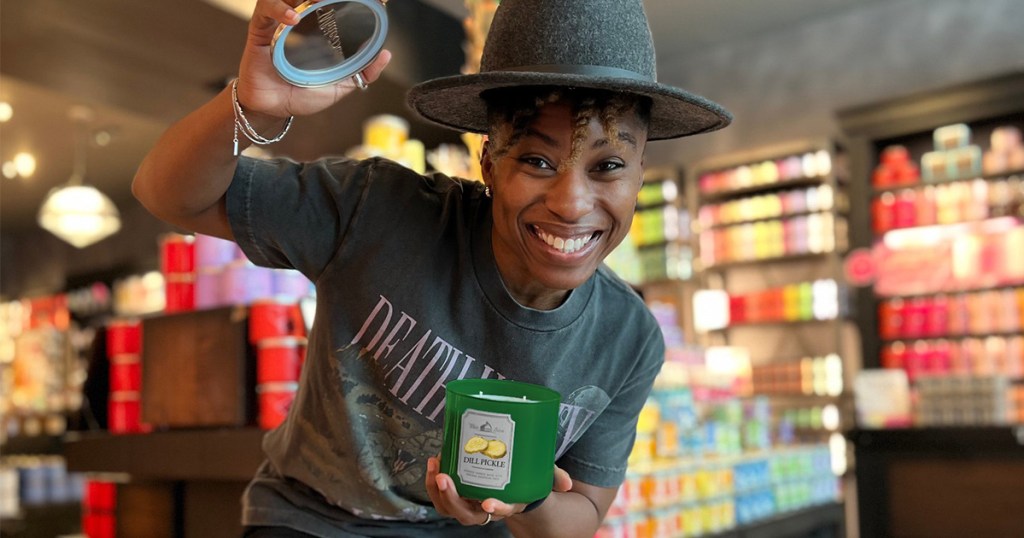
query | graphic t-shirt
[409, 298]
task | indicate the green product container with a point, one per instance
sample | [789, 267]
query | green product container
[499, 439]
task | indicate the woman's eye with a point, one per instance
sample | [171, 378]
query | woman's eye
[610, 166]
[536, 162]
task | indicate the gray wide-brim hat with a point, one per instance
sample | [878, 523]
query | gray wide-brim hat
[601, 44]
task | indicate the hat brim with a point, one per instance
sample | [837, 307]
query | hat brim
[455, 102]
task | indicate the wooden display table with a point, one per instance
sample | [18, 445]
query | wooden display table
[182, 483]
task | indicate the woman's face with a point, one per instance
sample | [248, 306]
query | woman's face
[556, 219]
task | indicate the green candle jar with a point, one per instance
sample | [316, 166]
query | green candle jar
[499, 439]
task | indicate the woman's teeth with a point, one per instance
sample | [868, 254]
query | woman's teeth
[566, 246]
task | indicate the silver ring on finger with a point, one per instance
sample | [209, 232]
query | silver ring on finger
[360, 81]
[488, 520]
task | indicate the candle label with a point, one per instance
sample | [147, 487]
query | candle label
[486, 456]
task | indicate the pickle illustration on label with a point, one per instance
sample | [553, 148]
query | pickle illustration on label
[495, 449]
[475, 444]
[487, 444]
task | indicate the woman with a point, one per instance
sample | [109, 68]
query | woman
[425, 279]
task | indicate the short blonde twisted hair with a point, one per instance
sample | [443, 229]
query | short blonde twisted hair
[510, 111]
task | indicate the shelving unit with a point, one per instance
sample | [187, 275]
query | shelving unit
[657, 256]
[966, 475]
[750, 241]
[910, 122]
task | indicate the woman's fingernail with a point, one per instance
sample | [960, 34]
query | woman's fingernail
[442, 484]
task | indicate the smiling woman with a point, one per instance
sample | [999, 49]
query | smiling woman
[426, 279]
[564, 167]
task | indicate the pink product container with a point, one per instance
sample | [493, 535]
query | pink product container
[242, 283]
[214, 251]
[291, 283]
[275, 399]
[208, 287]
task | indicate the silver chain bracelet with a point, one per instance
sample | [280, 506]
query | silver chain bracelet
[241, 123]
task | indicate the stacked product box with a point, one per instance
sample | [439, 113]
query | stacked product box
[177, 263]
[278, 330]
[124, 350]
[955, 400]
[99, 509]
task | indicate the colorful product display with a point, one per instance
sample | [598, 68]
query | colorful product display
[790, 168]
[771, 205]
[819, 300]
[949, 203]
[659, 225]
[990, 355]
[657, 247]
[806, 234]
[996, 311]
[221, 275]
[700, 468]
[809, 376]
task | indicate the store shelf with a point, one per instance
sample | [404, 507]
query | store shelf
[988, 177]
[764, 188]
[777, 259]
[214, 454]
[823, 521]
[31, 444]
[44, 521]
[1000, 287]
[952, 441]
[781, 323]
[783, 217]
[1004, 334]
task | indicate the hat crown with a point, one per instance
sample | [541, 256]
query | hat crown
[570, 33]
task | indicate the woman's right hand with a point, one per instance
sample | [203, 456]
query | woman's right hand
[262, 90]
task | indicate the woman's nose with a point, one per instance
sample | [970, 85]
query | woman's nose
[570, 196]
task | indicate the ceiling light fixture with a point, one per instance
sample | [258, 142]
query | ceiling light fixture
[79, 214]
[25, 164]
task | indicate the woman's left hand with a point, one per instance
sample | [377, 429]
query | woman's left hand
[447, 502]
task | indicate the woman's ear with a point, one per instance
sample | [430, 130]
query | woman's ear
[486, 166]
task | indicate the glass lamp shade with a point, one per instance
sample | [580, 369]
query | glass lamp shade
[79, 214]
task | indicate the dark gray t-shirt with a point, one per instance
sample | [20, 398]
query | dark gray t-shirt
[408, 298]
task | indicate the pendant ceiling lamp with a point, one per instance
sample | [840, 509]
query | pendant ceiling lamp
[77, 213]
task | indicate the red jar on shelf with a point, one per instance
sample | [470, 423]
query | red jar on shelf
[890, 319]
[882, 212]
[894, 355]
[914, 317]
[124, 337]
[937, 316]
[904, 209]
